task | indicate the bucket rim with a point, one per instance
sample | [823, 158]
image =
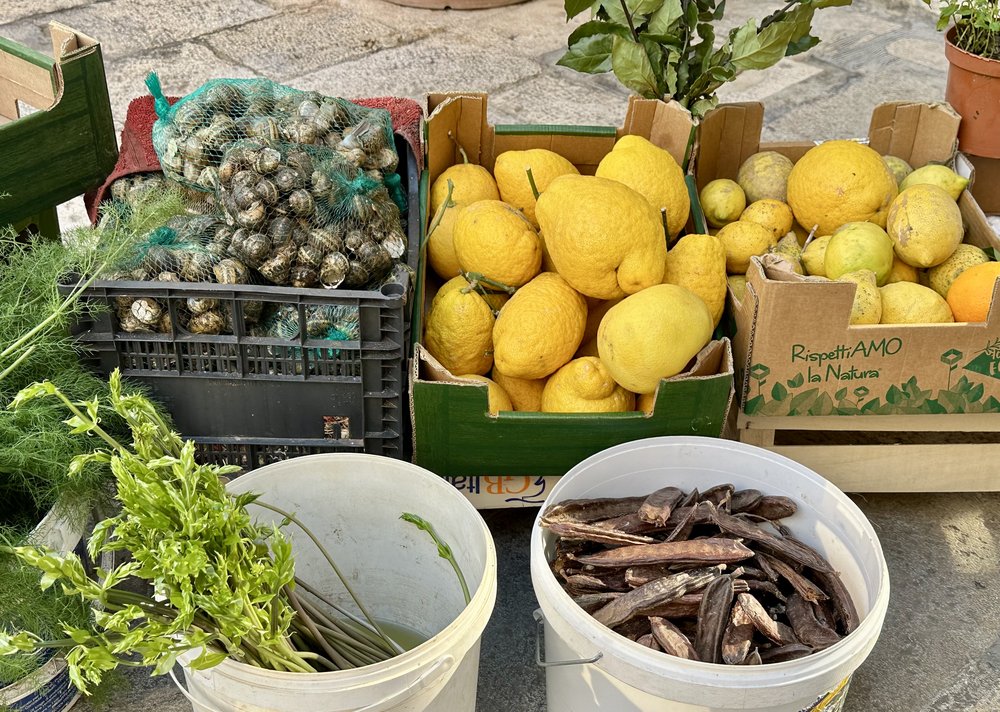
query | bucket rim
[474, 616]
[556, 603]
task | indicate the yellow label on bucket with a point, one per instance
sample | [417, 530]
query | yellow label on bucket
[833, 701]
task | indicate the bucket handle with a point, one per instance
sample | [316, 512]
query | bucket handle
[428, 679]
[539, 634]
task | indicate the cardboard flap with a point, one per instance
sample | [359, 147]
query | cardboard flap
[66, 41]
[727, 136]
[666, 124]
[463, 116]
[916, 132]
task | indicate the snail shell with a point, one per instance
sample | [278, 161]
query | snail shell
[193, 149]
[333, 270]
[325, 240]
[320, 183]
[354, 240]
[267, 161]
[188, 116]
[267, 191]
[281, 229]
[165, 325]
[222, 97]
[244, 179]
[252, 217]
[301, 202]
[300, 162]
[131, 324]
[287, 180]
[374, 258]
[123, 302]
[357, 275]
[303, 276]
[167, 277]
[196, 267]
[244, 197]
[395, 244]
[300, 132]
[263, 127]
[309, 255]
[256, 247]
[200, 306]
[307, 109]
[276, 269]
[192, 171]
[230, 271]
[209, 177]
[210, 322]
[252, 310]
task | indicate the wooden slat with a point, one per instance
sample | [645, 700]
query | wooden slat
[930, 423]
[902, 468]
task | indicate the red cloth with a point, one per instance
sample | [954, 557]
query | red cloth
[138, 156]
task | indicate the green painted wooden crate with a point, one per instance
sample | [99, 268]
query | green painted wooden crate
[66, 147]
[453, 434]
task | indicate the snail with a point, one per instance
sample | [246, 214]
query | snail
[200, 306]
[230, 271]
[210, 322]
[333, 269]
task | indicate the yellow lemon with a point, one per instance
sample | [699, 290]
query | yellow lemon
[940, 277]
[902, 272]
[646, 402]
[772, 214]
[497, 397]
[867, 307]
[743, 240]
[653, 335]
[900, 168]
[441, 244]
[470, 184]
[525, 394]
[941, 176]
[737, 285]
[496, 300]
[459, 332]
[925, 225]
[722, 201]
[540, 328]
[604, 238]
[859, 245]
[494, 239]
[511, 175]
[765, 175]
[909, 303]
[654, 174]
[838, 182]
[585, 385]
[698, 263]
[814, 256]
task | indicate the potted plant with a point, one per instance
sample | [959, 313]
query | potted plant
[972, 46]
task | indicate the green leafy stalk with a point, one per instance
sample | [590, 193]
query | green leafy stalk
[444, 551]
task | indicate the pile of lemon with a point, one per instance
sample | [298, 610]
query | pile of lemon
[559, 286]
[845, 213]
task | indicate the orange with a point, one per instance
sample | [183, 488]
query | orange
[970, 294]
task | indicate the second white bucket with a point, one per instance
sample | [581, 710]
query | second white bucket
[597, 669]
[352, 503]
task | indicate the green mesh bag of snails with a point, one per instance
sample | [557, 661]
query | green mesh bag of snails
[191, 136]
[307, 216]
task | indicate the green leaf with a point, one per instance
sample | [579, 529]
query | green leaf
[590, 54]
[822, 406]
[894, 395]
[575, 7]
[703, 106]
[841, 394]
[802, 402]
[976, 393]
[779, 392]
[632, 67]
[801, 45]
[753, 405]
[751, 50]
[596, 27]
[638, 9]
[663, 19]
[797, 381]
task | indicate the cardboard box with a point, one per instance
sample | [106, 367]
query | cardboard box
[797, 354]
[453, 433]
[68, 144]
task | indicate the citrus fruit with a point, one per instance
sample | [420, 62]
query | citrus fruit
[972, 291]
[441, 244]
[698, 263]
[653, 335]
[722, 201]
[941, 176]
[859, 245]
[496, 300]
[743, 240]
[900, 168]
[525, 394]
[585, 385]
[737, 285]
[510, 171]
[902, 272]
[775, 215]
[654, 174]
[494, 239]
[765, 175]
[939, 278]
[497, 398]
[867, 306]
[540, 328]
[925, 225]
[470, 183]
[909, 303]
[790, 252]
[839, 182]
[604, 238]
[459, 332]
[814, 256]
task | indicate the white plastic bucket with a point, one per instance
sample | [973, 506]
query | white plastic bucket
[628, 676]
[352, 503]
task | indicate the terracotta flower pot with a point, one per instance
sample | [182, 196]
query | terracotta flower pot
[455, 4]
[973, 89]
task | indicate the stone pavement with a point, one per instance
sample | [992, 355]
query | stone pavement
[939, 651]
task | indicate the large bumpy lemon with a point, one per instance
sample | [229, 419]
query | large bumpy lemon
[540, 328]
[765, 175]
[909, 303]
[900, 168]
[925, 225]
[496, 300]
[459, 332]
[814, 256]
[525, 394]
[441, 244]
[859, 245]
[654, 174]
[698, 263]
[585, 385]
[511, 173]
[652, 335]
[941, 277]
[722, 201]
[470, 183]
[497, 397]
[741, 241]
[902, 272]
[839, 182]
[772, 214]
[941, 176]
[867, 306]
[496, 240]
[604, 238]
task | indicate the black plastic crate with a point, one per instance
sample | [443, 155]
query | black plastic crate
[251, 400]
